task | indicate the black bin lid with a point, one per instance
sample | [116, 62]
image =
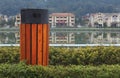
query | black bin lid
[34, 16]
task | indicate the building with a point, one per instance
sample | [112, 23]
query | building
[17, 20]
[55, 20]
[55, 38]
[17, 37]
[4, 17]
[62, 20]
[61, 38]
[104, 20]
[104, 38]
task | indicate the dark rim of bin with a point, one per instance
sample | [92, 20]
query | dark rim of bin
[34, 16]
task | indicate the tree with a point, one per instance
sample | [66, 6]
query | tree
[105, 24]
[11, 22]
[2, 23]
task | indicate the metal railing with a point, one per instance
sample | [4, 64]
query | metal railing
[66, 45]
[67, 29]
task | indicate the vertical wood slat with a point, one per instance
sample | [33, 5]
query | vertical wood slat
[34, 42]
[40, 45]
[45, 42]
[28, 43]
[22, 42]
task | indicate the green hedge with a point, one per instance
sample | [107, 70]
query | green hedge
[85, 56]
[69, 56]
[72, 71]
[9, 54]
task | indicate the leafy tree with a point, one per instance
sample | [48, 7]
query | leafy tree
[2, 23]
[11, 22]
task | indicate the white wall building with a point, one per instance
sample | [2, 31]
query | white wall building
[18, 20]
[105, 19]
[61, 38]
[4, 17]
[62, 19]
[55, 19]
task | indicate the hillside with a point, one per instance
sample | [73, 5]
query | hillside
[12, 7]
[79, 7]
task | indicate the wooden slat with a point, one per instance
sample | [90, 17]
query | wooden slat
[22, 42]
[28, 43]
[45, 42]
[40, 46]
[34, 43]
[34, 51]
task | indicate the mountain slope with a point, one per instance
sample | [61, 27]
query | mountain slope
[11, 7]
[79, 7]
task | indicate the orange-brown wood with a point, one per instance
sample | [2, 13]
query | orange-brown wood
[45, 42]
[34, 43]
[40, 44]
[34, 38]
[28, 43]
[22, 42]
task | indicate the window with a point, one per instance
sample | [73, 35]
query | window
[72, 23]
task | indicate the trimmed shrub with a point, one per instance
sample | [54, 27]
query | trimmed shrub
[22, 70]
[69, 56]
[85, 56]
[9, 54]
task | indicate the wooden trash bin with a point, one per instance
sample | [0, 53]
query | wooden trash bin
[34, 36]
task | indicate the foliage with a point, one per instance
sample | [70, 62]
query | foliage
[62, 58]
[69, 56]
[85, 56]
[11, 22]
[9, 54]
[22, 70]
[2, 23]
